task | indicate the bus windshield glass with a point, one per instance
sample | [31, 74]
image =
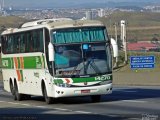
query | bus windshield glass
[82, 59]
[77, 35]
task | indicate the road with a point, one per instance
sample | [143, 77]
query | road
[125, 103]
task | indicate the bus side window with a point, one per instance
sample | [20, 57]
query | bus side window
[22, 43]
[3, 43]
[27, 42]
[40, 40]
[16, 43]
[34, 41]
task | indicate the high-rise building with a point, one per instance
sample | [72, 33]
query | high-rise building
[101, 12]
[89, 15]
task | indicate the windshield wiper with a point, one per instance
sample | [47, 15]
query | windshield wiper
[93, 65]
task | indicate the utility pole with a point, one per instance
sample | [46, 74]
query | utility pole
[123, 38]
[115, 26]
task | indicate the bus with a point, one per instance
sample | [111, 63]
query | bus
[57, 58]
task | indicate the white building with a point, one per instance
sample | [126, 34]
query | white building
[89, 15]
[101, 12]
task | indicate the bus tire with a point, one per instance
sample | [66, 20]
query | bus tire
[26, 97]
[48, 100]
[12, 89]
[17, 94]
[96, 98]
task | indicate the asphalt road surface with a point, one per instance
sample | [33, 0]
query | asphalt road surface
[125, 103]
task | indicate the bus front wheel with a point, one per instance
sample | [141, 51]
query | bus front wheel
[96, 98]
[48, 100]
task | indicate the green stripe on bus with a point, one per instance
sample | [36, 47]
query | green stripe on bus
[89, 79]
[33, 62]
[21, 75]
[19, 63]
[7, 63]
[93, 79]
[58, 81]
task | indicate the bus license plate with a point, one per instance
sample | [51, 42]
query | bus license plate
[85, 91]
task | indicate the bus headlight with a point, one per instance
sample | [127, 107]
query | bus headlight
[105, 82]
[63, 85]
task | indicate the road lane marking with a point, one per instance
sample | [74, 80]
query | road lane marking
[41, 106]
[83, 112]
[26, 105]
[46, 107]
[61, 109]
[14, 103]
[135, 101]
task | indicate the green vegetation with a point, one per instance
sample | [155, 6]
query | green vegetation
[141, 26]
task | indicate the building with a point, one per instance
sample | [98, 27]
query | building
[101, 13]
[89, 15]
[143, 46]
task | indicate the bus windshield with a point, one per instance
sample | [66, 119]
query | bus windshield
[82, 59]
[78, 35]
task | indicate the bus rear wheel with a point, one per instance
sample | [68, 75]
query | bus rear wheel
[12, 89]
[96, 98]
[17, 94]
[48, 100]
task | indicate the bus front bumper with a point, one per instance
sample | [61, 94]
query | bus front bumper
[83, 91]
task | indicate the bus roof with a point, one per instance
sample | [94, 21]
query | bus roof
[53, 24]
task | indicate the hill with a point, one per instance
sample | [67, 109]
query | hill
[11, 21]
[141, 26]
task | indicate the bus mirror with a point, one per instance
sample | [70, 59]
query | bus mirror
[51, 52]
[115, 47]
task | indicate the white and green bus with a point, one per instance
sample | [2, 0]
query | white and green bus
[57, 58]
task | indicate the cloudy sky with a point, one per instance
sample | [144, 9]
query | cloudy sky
[46, 3]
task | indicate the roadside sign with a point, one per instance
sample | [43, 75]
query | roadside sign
[140, 62]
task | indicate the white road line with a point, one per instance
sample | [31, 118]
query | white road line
[26, 104]
[60, 109]
[41, 106]
[135, 101]
[83, 112]
[13, 103]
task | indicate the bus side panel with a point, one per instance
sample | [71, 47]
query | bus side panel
[31, 82]
[7, 75]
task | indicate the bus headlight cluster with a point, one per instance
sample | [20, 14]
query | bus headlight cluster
[105, 82]
[63, 85]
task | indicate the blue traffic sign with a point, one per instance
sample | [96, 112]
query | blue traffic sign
[139, 62]
[139, 66]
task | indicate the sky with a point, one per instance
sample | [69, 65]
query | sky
[58, 3]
